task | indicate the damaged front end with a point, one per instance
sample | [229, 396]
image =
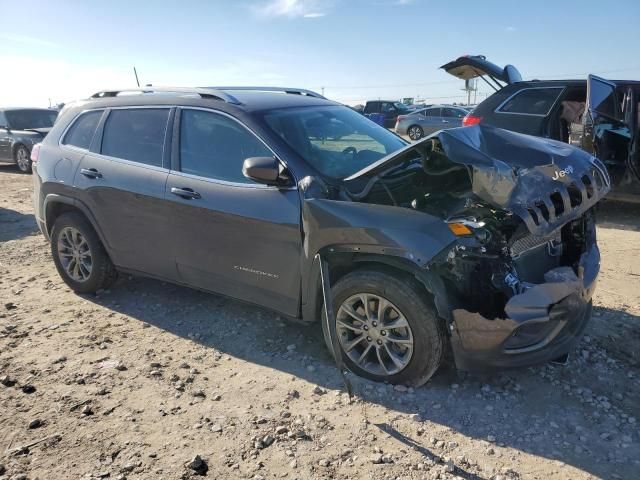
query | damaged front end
[521, 272]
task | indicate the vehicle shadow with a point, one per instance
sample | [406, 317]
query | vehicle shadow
[541, 411]
[620, 215]
[15, 225]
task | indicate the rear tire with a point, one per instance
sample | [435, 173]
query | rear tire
[415, 132]
[424, 330]
[22, 157]
[79, 255]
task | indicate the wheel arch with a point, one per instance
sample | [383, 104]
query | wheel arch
[343, 263]
[55, 205]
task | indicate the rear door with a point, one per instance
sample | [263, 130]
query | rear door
[230, 234]
[122, 179]
[431, 120]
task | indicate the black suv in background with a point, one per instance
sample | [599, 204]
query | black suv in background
[597, 115]
[20, 130]
[475, 238]
[389, 108]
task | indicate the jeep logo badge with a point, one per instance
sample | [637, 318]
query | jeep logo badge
[562, 173]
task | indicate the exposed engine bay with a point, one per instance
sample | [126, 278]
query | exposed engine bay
[519, 223]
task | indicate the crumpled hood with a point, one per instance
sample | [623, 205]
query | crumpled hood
[545, 182]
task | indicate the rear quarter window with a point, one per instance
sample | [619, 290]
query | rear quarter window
[531, 101]
[82, 130]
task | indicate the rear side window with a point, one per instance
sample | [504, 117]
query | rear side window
[136, 134]
[532, 101]
[214, 146]
[81, 132]
[453, 113]
[432, 112]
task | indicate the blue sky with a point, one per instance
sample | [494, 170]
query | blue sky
[356, 49]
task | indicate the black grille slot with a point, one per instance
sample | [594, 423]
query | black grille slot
[575, 195]
[558, 203]
[589, 185]
[544, 211]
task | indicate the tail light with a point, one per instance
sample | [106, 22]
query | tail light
[471, 119]
[35, 152]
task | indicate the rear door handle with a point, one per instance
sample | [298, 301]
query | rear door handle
[90, 172]
[186, 193]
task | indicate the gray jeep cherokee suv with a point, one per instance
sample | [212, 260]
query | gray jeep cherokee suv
[475, 239]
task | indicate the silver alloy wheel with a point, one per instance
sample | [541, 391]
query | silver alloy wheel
[74, 254]
[374, 334]
[415, 133]
[22, 158]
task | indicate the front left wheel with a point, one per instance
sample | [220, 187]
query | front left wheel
[386, 328]
[22, 157]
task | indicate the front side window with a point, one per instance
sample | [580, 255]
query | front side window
[215, 146]
[81, 132]
[387, 107]
[334, 140]
[31, 118]
[136, 134]
[532, 101]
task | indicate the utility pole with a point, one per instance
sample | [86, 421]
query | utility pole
[470, 85]
[322, 89]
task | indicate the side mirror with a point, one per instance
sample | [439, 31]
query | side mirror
[262, 169]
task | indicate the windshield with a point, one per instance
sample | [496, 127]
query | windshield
[401, 106]
[335, 140]
[23, 119]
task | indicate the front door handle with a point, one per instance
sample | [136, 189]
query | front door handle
[90, 172]
[186, 193]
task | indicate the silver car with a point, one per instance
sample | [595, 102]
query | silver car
[429, 120]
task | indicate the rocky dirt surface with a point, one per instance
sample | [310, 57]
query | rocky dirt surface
[154, 381]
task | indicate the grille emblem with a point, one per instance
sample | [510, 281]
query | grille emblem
[562, 173]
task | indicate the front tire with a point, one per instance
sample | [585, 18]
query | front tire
[79, 255]
[22, 157]
[386, 328]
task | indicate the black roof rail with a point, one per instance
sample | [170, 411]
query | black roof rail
[211, 93]
[291, 91]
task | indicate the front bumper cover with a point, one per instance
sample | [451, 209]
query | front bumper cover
[541, 324]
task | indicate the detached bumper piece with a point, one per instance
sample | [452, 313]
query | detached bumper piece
[541, 324]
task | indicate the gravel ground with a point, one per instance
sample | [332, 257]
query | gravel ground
[154, 381]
